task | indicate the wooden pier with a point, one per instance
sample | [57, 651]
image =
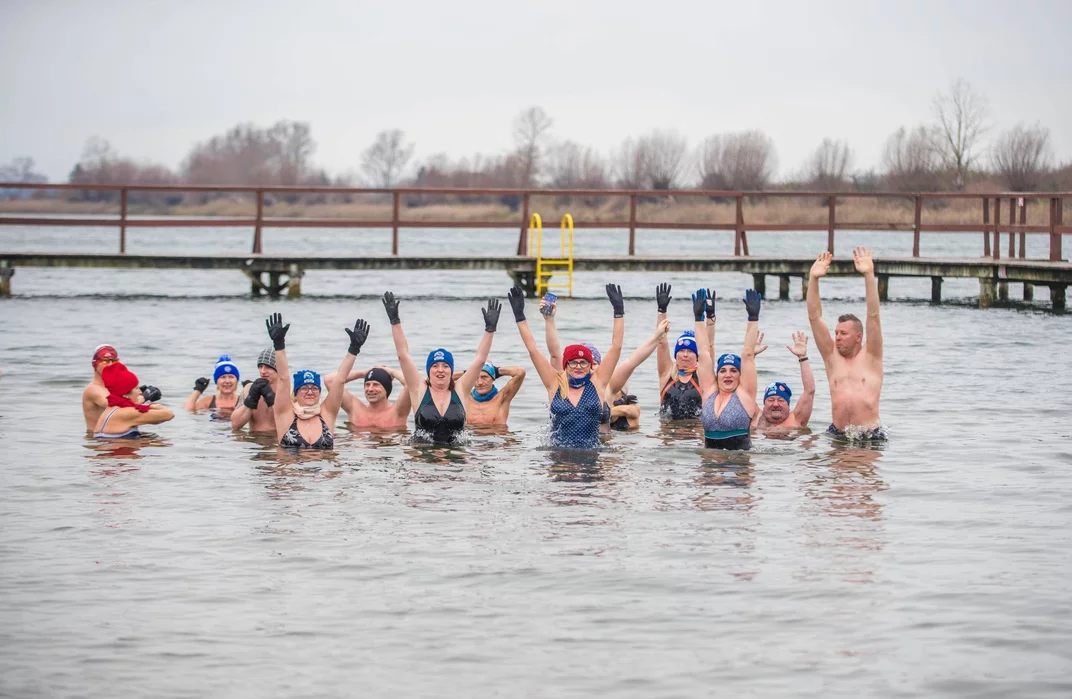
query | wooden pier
[278, 275]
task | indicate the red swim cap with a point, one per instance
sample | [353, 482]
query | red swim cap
[105, 352]
[575, 352]
[118, 379]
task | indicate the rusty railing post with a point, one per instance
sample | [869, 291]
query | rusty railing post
[123, 221]
[1057, 205]
[986, 226]
[258, 244]
[523, 239]
[632, 224]
[394, 223]
[830, 217]
[739, 202]
[1023, 232]
[917, 225]
[996, 247]
[1012, 228]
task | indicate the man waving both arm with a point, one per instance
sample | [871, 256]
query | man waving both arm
[853, 364]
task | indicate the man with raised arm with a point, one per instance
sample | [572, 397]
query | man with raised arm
[853, 364]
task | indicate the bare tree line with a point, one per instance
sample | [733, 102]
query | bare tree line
[944, 153]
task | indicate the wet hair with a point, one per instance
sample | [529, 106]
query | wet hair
[855, 321]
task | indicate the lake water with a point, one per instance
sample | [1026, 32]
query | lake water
[201, 563]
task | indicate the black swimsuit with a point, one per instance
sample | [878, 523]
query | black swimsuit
[681, 400]
[444, 429]
[293, 437]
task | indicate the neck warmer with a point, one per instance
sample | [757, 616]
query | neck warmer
[124, 402]
[581, 382]
[486, 397]
[306, 412]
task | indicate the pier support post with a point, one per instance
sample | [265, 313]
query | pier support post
[6, 273]
[783, 287]
[1029, 292]
[759, 283]
[294, 282]
[1057, 296]
[1003, 291]
[936, 289]
[526, 280]
[883, 287]
[804, 286]
[986, 292]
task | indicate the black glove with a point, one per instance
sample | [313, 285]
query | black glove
[627, 399]
[254, 393]
[614, 293]
[390, 303]
[201, 384]
[699, 304]
[151, 394]
[662, 297]
[267, 393]
[709, 308]
[277, 331]
[752, 301]
[491, 315]
[517, 302]
[357, 336]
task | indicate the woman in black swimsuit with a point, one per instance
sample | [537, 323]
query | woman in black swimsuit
[307, 422]
[438, 403]
[680, 397]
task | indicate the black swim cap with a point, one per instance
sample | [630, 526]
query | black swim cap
[380, 376]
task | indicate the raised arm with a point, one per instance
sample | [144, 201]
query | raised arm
[865, 265]
[614, 352]
[705, 362]
[513, 385]
[548, 375]
[807, 379]
[278, 332]
[414, 380]
[626, 368]
[337, 387]
[491, 323]
[746, 392]
[819, 329]
[550, 334]
[664, 361]
[709, 311]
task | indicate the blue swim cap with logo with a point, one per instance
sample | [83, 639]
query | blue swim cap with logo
[306, 377]
[729, 360]
[778, 389]
[439, 355]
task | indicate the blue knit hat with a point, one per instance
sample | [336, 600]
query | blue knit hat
[225, 366]
[306, 377]
[778, 389]
[491, 371]
[686, 341]
[439, 355]
[597, 358]
[729, 360]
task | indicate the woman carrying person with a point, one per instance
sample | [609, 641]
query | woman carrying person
[228, 391]
[439, 402]
[730, 395]
[308, 420]
[575, 392]
[124, 414]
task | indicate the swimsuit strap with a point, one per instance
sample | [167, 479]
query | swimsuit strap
[106, 419]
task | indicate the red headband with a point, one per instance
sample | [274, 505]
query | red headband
[575, 352]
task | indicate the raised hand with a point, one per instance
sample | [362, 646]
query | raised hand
[759, 347]
[861, 257]
[822, 264]
[357, 336]
[800, 344]
[201, 384]
[662, 297]
[151, 394]
[277, 331]
[752, 301]
[699, 304]
[491, 315]
[544, 304]
[516, 296]
[390, 304]
[709, 308]
[662, 328]
[254, 393]
[617, 301]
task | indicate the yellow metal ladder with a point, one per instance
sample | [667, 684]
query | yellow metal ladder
[547, 267]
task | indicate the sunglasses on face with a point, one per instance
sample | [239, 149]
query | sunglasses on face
[106, 360]
[578, 364]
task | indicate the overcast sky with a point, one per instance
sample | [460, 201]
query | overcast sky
[155, 77]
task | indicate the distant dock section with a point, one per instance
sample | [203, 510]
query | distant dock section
[278, 275]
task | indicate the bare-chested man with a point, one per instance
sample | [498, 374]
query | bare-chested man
[490, 405]
[256, 408]
[776, 413]
[378, 412]
[853, 364]
[95, 395]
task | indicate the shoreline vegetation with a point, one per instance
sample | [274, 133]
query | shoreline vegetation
[772, 210]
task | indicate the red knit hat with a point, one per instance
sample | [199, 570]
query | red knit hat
[118, 379]
[575, 352]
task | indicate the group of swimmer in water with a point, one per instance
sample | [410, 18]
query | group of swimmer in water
[586, 389]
